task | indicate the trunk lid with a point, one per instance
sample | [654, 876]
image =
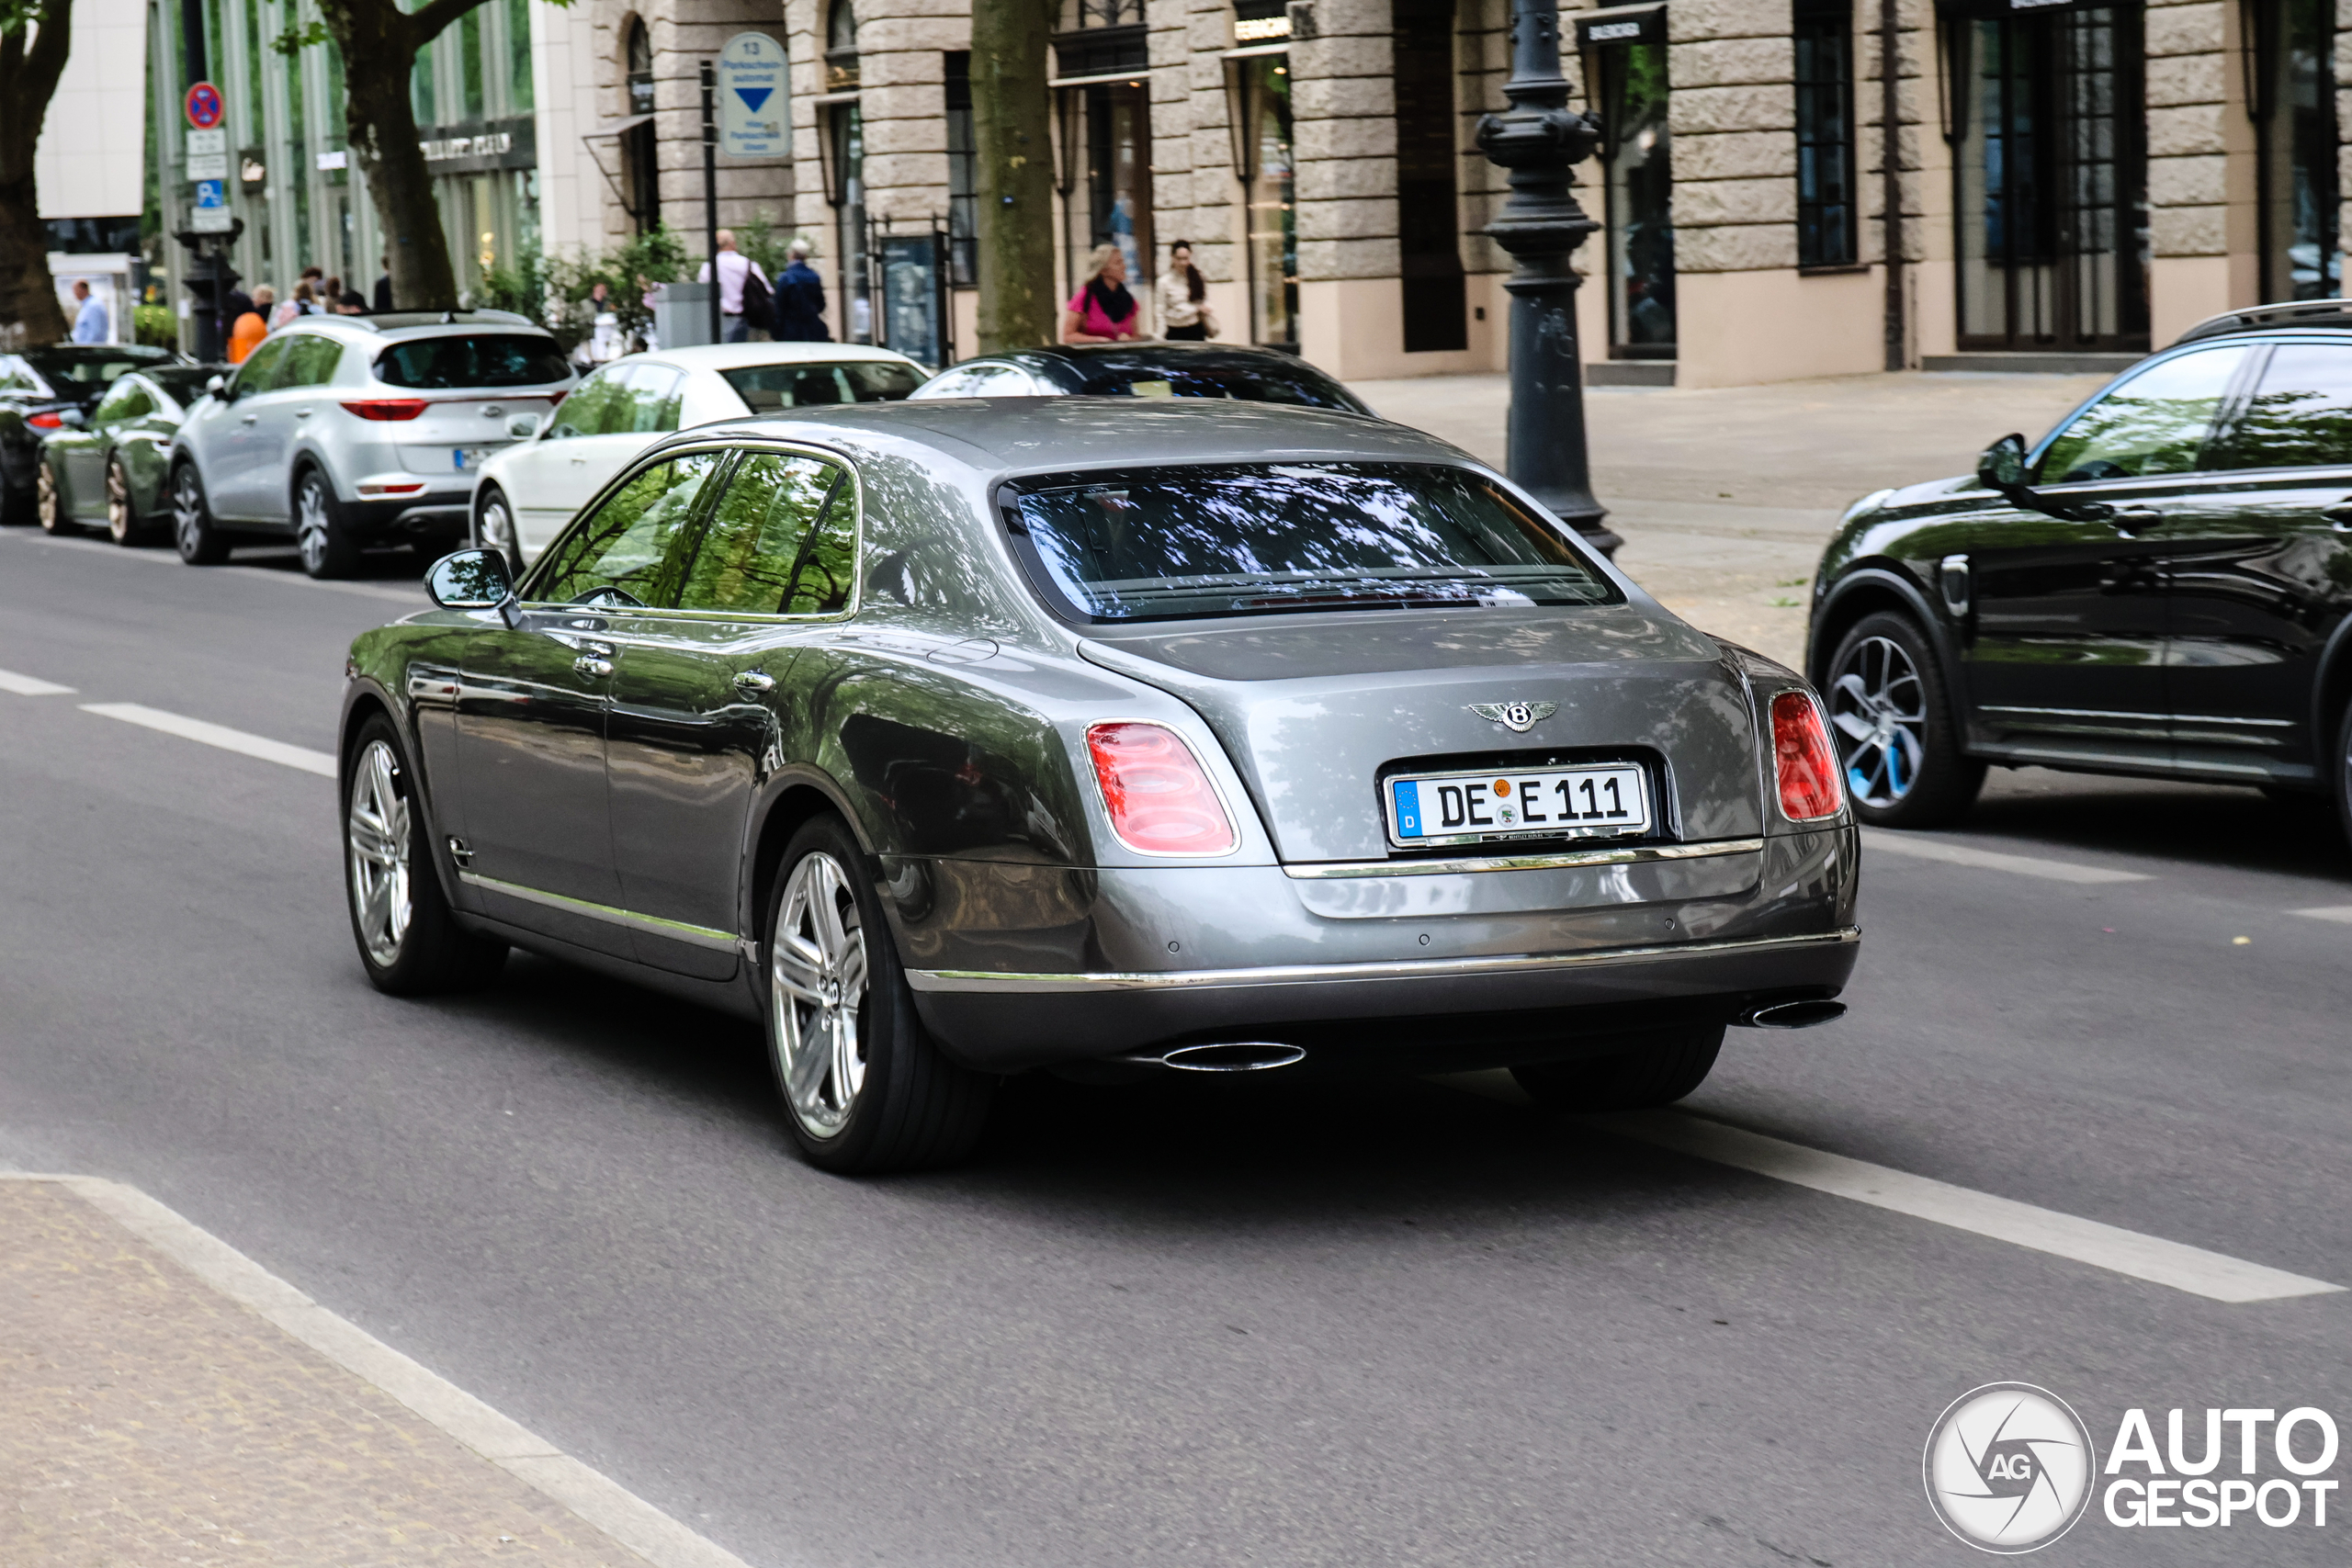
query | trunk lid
[432, 442]
[1313, 709]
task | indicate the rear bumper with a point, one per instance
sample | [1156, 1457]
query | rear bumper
[1478, 969]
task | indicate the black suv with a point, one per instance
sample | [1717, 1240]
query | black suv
[2159, 586]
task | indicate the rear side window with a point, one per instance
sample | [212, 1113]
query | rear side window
[630, 550]
[1165, 542]
[2300, 414]
[1301, 387]
[311, 361]
[476, 359]
[129, 399]
[770, 388]
[782, 541]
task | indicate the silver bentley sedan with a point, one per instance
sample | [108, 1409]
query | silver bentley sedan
[964, 738]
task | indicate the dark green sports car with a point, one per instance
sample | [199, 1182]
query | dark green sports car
[107, 468]
[961, 738]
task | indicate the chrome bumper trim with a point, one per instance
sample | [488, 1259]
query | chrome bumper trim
[1566, 859]
[971, 980]
[676, 931]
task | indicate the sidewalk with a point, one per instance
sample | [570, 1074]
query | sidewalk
[146, 1418]
[1725, 497]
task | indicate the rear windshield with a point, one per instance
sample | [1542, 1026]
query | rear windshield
[185, 383]
[1160, 544]
[770, 389]
[1268, 384]
[77, 372]
[489, 360]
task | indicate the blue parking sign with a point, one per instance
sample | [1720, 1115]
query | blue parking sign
[211, 193]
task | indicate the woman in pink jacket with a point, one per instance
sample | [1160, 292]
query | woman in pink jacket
[1102, 311]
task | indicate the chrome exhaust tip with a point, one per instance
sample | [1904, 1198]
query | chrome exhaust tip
[1794, 1015]
[1246, 1057]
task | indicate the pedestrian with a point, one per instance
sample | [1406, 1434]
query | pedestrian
[1184, 313]
[744, 300]
[246, 333]
[89, 315]
[801, 300]
[235, 303]
[1102, 311]
[603, 342]
[300, 305]
[384, 285]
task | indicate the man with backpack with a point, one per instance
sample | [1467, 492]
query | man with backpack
[744, 299]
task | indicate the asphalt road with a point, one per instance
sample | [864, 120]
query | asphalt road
[1405, 1324]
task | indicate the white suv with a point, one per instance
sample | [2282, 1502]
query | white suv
[341, 432]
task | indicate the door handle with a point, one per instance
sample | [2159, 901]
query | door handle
[301, 413]
[589, 664]
[252, 417]
[752, 682]
[2132, 519]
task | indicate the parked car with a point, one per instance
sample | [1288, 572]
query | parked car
[1150, 369]
[956, 739]
[2159, 586]
[108, 468]
[38, 388]
[345, 432]
[526, 494]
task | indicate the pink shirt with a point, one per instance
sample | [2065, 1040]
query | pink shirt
[1092, 322]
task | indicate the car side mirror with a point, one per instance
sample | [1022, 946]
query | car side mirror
[217, 386]
[2001, 465]
[473, 580]
[524, 426]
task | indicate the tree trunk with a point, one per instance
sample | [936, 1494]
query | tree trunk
[28, 309]
[1012, 127]
[379, 45]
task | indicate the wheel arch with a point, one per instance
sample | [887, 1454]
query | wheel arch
[367, 700]
[794, 798]
[2332, 696]
[1864, 592]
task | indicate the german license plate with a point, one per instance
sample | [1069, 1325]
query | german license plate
[465, 459]
[1605, 800]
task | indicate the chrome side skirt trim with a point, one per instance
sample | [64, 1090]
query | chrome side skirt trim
[970, 980]
[1635, 855]
[676, 931]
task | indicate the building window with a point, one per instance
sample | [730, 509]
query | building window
[840, 48]
[1428, 221]
[1638, 176]
[1828, 225]
[962, 174]
[640, 158]
[2294, 111]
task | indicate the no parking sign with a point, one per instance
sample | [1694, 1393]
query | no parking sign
[204, 105]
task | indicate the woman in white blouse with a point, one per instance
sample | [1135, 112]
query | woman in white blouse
[1184, 312]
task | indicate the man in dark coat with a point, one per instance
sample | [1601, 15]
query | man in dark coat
[801, 300]
[384, 285]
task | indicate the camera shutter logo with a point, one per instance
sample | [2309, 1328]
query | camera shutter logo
[2009, 1468]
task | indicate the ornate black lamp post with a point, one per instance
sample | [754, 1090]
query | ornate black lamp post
[1537, 139]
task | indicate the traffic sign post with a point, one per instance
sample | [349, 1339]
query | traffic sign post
[212, 227]
[204, 107]
[751, 99]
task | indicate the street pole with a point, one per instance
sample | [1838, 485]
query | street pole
[1537, 140]
[710, 189]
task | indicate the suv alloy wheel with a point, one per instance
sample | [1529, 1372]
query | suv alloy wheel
[193, 530]
[328, 548]
[1892, 719]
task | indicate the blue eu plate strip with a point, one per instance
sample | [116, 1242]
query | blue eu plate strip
[1408, 808]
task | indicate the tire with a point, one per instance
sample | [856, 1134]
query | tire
[193, 529]
[49, 502]
[1897, 732]
[2343, 770]
[875, 1093]
[328, 549]
[125, 527]
[1659, 1069]
[495, 529]
[407, 940]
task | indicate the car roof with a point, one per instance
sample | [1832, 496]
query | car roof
[2299, 314]
[741, 356]
[1059, 434]
[1155, 352]
[403, 324]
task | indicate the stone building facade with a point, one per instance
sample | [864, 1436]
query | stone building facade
[2076, 181]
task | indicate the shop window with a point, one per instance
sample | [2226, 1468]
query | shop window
[1828, 225]
[2293, 103]
[840, 48]
[963, 173]
[1428, 217]
[1638, 169]
[640, 156]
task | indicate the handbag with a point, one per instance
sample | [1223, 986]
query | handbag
[759, 305]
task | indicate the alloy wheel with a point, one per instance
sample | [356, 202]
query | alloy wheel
[118, 520]
[52, 519]
[311, 523]
[496, 531]
[187, 511]
[1879, 705]
[817, 985]
[378, 833]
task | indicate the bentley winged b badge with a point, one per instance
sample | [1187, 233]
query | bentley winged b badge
[1516, 717]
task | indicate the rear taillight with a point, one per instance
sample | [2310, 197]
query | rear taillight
[387, 407]
[1160, 800]
[556, 397]
[53, 420]
[1807, 763]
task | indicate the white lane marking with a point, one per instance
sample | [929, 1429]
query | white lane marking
[31, 685]
[2190, 1268]
[2339, 912]
[219, 735]
[602, 1502]
[1880, 840]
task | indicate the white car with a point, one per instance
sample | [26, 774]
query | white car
[526, 493]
